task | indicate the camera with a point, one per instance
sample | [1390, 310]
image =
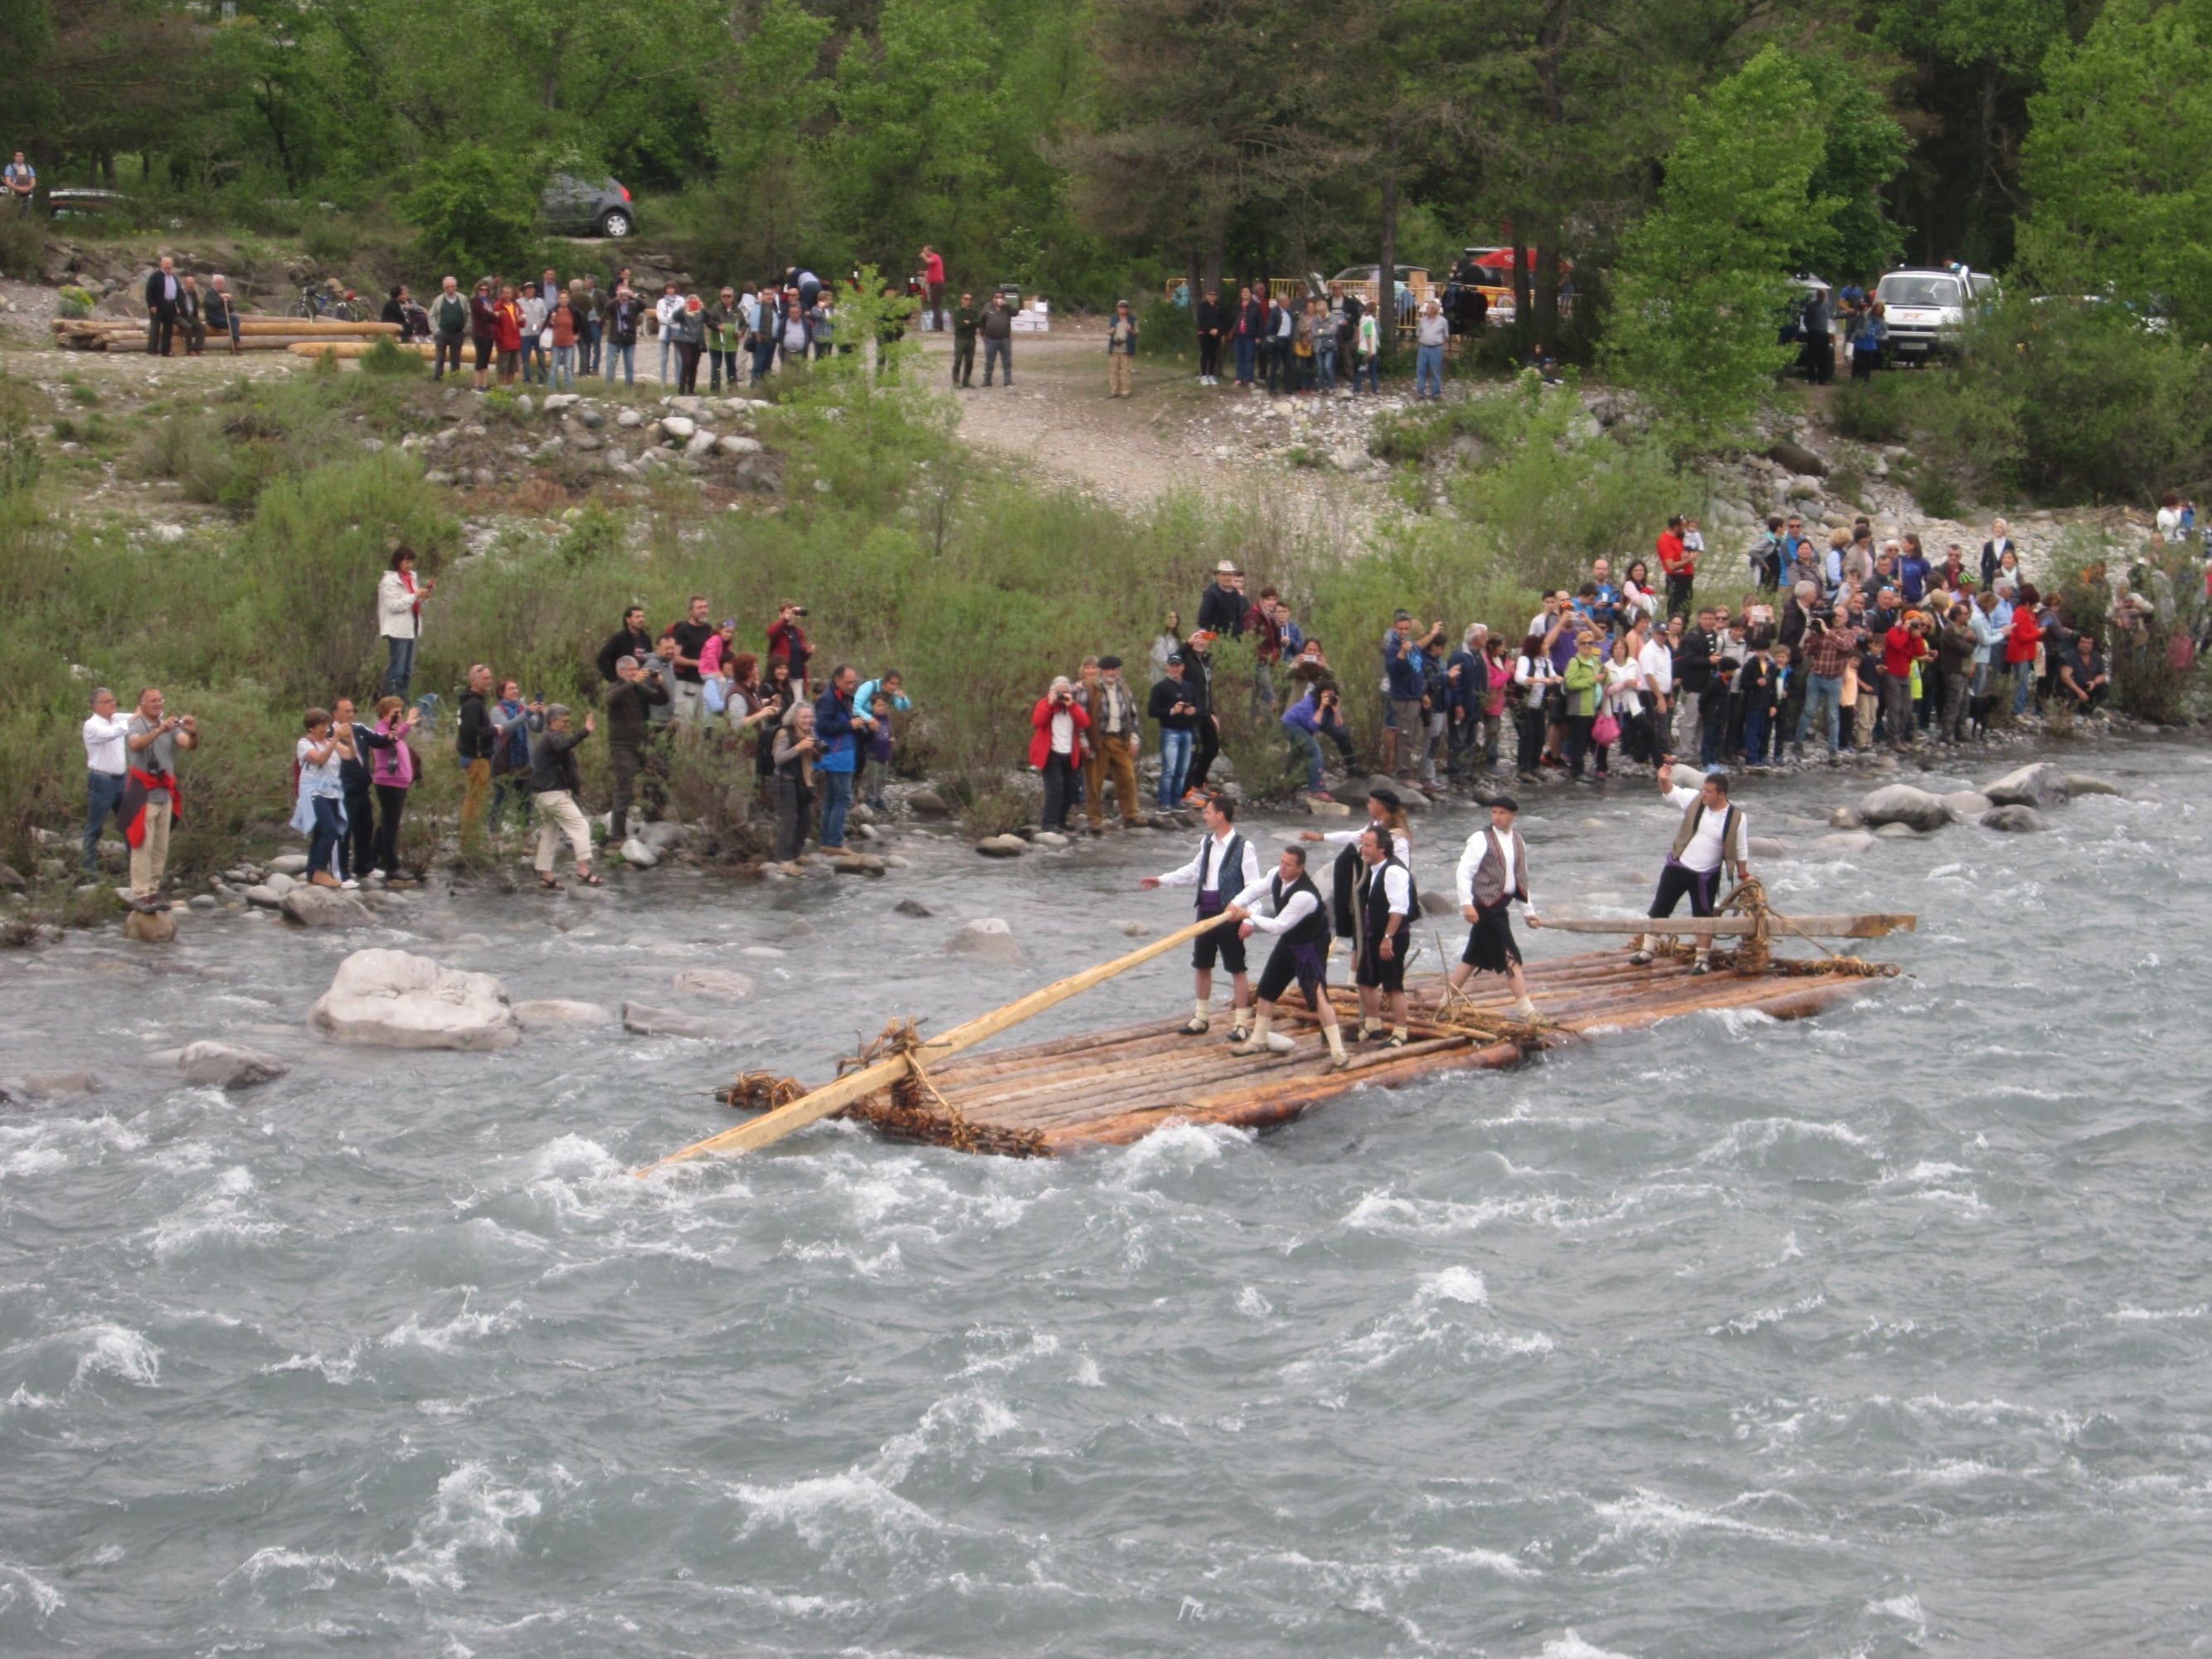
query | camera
[798, 610]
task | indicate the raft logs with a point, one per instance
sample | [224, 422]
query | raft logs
[255, 334]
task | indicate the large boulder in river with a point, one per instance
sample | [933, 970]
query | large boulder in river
[324, 907]
[2040, 785]
[390, 999]
[641, 1020]
[2014, 819]
[1967, 803]
[1798, 459]
[150, 928]
[228, 1066]
[988, 938]
[2078, 785]
[1900, 803]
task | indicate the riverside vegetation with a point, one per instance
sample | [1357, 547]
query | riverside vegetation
[978, 585]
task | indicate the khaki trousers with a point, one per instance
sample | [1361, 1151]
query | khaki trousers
[558, 815]
[1120, 373]
[151, 856]
[475, 797]
[1111, 758]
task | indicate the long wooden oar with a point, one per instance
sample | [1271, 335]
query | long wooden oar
[774, 1125]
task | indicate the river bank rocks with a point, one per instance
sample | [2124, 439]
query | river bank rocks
[640, 1020]
[2014, 820]
[1901, 803]
[228, 1066]
[559, 1010]
[323, 907]
[2038, 785]
[149, 927]
[391, 1000]
[989, 939]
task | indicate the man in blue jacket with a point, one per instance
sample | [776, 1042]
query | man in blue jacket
[1402, 686]
[838, 730]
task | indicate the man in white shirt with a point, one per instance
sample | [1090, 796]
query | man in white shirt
[1656, 659]
[1225, 866]
[1493, 873]
[1380, 910]
[1299, 921]
[1714, 835]
[666, 310]
[107, 765]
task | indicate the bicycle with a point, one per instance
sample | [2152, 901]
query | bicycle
[321, 304]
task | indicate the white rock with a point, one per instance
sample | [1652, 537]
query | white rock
[289, 864]
[988, 938]
[1048, 838]
[713, 982]
[678, 427]
[636, 851]
[1002, 847]
[702, 442]
[267, 898]
[558, 1011]
[321, 906]
[2039, 785]
[1900, 803]
[630, 417]
[226, 1065]
[642, 1021]
[391, 1000]
[279, 884]
[734, 444]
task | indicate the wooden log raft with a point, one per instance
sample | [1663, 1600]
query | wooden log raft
[1111, 1087]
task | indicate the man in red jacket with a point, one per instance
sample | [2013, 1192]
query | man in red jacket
[1905, 644]
[2020, 643]
[1681, 566]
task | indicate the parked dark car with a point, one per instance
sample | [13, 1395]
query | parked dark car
[577, 207]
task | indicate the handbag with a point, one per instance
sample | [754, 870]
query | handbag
[1606, 729]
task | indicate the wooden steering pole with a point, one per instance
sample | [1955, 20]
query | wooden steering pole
[809, 1108]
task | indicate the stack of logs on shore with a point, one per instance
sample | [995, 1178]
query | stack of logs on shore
[306, 335]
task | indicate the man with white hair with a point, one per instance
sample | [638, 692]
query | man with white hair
[1994, 549]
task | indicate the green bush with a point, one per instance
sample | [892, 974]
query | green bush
[20, 462]
[476, 209]
[329, 238]
[1167, 330]
[22, 245]
[387, 357]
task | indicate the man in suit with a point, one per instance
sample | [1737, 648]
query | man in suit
[163, 293]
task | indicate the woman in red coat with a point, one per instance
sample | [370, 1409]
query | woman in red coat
[1056, 749]
[2020, 646]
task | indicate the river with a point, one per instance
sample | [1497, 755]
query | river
[1880, 1331]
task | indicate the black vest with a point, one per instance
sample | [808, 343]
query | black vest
[1313, 929]
[1375, 898]
[1231, 868]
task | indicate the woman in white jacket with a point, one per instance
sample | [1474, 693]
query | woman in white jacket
[399, 618]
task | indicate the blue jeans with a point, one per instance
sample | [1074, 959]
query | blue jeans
[1247, 350]
[329, 830]
[1823, 692]
[533, 359]
[402, 667]
[1325, 363]
[587, 348]
[1428, 365]
[564, 366]
[103, 797]
[667, 350]
[1754, 734]
[1175, 764]
[1372, 369]
[627, 356]
[764, 358]
[837, 802]
[1305, 742]
[2024, 676]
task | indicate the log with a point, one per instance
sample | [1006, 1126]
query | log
[772, 1126]
[347, 350]
[1870, 926]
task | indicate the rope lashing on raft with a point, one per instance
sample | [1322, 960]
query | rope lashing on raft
[1755, 954]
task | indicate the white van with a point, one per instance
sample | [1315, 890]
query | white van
[1926, 310]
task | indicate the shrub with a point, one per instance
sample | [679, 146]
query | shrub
[1167, 330]
[74, 302]
[22, 245]
[476, 210]
[387, 357]
[329, 238]
[20, 461]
